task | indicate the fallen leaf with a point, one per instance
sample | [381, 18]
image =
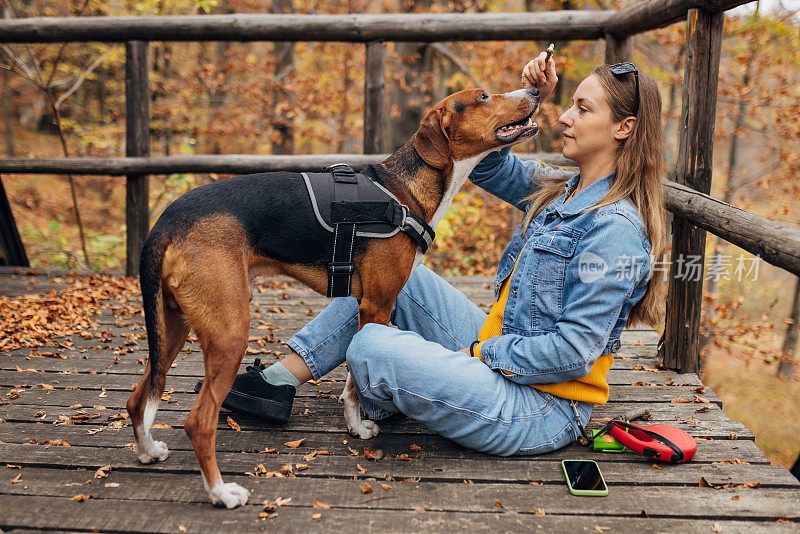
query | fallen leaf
[316, 516]
[598, 528]
[267, 451]
[716, 527]
[294, 444]
[323, 505]
[539, 511]
[353, 452]
[366, 488]
[415, 448]
[735, 498]
[157, 425]
[111, 484]
[233, 424]
[81, 497]
[360, 469]
[17, 479]
[498, 504]
[102, 472]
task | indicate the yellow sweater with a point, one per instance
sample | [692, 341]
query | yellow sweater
[592, 388]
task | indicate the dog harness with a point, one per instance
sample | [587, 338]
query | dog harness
[348, 204]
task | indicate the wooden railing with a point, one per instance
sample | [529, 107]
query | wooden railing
[687, 197]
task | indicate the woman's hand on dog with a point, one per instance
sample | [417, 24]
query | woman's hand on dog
[542, 77]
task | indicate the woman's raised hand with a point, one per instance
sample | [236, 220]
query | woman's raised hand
[540, 75]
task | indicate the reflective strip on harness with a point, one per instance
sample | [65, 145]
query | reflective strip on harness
[351, 201]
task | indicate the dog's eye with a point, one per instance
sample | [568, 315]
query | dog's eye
[483, 97]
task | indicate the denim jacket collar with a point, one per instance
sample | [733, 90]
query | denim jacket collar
[584, 199]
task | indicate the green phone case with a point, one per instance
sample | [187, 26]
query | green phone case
[588, 493]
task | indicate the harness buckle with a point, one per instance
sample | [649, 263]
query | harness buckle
[342, 172]
[336, 267]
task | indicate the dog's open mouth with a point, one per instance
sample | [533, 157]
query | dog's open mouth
[513, 131]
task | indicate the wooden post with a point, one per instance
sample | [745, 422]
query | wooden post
[684, 300]
[618, 49]
[374, 91]
[12, 251]
[137, 143]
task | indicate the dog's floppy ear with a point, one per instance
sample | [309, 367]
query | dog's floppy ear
[431, 141]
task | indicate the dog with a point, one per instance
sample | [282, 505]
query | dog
[200, 258]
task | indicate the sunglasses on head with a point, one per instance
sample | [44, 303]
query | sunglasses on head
[621, 69]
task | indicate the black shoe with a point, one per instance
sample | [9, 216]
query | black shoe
[251, 394]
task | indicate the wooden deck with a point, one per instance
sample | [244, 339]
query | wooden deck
[421, 483]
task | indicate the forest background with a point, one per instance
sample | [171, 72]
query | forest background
[307, 98]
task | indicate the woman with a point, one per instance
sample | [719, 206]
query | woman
[523, 379]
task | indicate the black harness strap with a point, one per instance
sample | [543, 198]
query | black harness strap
[348, 212]
[341, 268]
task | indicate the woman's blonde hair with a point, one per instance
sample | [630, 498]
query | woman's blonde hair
[639, 169]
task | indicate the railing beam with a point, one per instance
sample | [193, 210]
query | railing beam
[137, 143]
[681, 347]
[358, 28]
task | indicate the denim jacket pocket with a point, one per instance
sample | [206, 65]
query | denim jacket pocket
[550, 253]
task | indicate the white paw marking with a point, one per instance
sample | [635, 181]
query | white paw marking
[229, 495]
[363, 428]
[155, 451]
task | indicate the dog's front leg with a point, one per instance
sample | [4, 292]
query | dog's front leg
[363, 428]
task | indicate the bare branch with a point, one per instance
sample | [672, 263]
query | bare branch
[448, 54]
[83, 76]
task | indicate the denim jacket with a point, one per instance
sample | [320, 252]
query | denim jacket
[578, 276]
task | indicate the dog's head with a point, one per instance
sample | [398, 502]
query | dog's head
[473, 122]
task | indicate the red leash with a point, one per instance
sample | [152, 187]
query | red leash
[659, 442]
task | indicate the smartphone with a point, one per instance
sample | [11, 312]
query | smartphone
[584, 478]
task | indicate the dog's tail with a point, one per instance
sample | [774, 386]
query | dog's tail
[153, 304]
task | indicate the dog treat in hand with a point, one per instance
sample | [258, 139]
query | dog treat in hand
[526, 84]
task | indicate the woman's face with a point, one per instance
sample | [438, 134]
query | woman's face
[589, 131]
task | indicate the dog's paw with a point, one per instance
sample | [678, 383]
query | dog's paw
[155, 451]
[229, 495]
[363, 428]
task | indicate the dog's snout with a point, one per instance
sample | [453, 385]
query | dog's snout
[534, 92]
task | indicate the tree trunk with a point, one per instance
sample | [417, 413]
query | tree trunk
[284, 51]
[786, 365]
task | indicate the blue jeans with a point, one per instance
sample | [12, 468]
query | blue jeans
[417, 369]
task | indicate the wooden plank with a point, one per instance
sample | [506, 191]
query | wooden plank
[653, 14]
[205, 163]
[682, 331]
[428, 446]
[374, 97]
[126, 515]
[773, 242]
[12, 251]
[542, 25]
[55, 483]
[311, 415]
[120, 382]
[184, 399]
[137, 143]
[618, 49]
[688, 502]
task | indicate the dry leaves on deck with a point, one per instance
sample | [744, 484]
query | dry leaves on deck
[31, 320]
